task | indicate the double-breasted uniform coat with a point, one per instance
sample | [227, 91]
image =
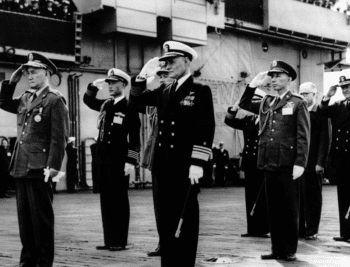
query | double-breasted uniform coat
[284, 140]
[311, 182]
[258, 222]
[186, 128]
[117, 123]
[42, 132]
[339, 156]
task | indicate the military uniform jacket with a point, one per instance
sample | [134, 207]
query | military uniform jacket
[284, 130]
[250, 129]
[42, 130]
[116, 123]
[186, 121]
[340, 119]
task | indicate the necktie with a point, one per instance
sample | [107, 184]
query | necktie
[173, 89]
[277, 100]
[33, 97]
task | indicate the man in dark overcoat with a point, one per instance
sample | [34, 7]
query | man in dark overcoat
[254, 181]
[311, 181]
[115, 155]
[42, 132]
[339, 154]
[186, 128]
[284, 140]
[221, 161]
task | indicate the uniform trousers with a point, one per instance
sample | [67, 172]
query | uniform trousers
[310, 203]
[155, 201]
[36, 221]
[173, 185]
[220, 173]
[258, 223]
[115, 207]
[283, 200]
[343, 189]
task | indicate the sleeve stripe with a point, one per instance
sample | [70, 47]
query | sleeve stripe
[201, 152]
[133, 154]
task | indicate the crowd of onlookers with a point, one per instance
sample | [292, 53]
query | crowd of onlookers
[337, 5]
[57, 9]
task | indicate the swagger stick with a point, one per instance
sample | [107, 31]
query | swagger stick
[262, 185]
[178, 230]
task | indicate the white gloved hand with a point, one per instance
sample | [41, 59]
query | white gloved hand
[196, 173]
[297, 171]
[260, 80]
[150, 69]
[49, 172]
[58, 177]
[99, 83]
[128, 168]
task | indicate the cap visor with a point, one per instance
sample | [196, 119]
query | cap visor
[344, 83]
[170, 55]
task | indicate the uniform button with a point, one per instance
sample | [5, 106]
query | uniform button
[20, 142]
[109, 132]
[25, 123]
[28, 114]
[160, 132]
[274, 112]
[23, 133]
[109, 142]
[246, 152]
[256, 141]
[171, 146]
[338, 130]
[336, 147]
[291, 147]
[247, 145]
[160, 144]
[172, 134]
[337, 139]
[347, 140]
[273, 121]
[346, 150]
[271, 139]
[248, 139]
[44, 150]
[273, 130]
[172, 122]
[347, 131]
[161, 121]
[255, 147]
[112, 123]
[254, 154]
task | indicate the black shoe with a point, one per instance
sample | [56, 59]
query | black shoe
[271, 256]
[155, 253]
[245, 235]
[340, 238]
[290, 257]
[102, 247]
[311, 237]
[117, 248]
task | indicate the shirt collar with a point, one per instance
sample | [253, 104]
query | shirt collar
[281, 96]
[40, 91]
[117, 99]
[311, 107]
[182, 80]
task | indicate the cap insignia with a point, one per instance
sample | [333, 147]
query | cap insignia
[274, 63]
[166, 48]
[30, 57]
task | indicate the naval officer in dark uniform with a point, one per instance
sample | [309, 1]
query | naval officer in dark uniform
[42, 133]
[339, 155]
[115, 155]
[284, 140]
[186, 128]
[311, 181]
[255, 196]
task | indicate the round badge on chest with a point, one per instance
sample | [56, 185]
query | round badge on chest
[37, 118]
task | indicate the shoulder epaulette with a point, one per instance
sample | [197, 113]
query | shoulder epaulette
[297, 95]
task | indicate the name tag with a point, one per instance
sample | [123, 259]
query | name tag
[118, 120]
[287, 111]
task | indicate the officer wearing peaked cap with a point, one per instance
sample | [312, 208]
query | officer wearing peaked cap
[114, 155]
[42, 132]
[284, 140]
[339, 155]
[186, 128]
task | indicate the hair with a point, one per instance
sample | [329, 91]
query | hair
[308, 86]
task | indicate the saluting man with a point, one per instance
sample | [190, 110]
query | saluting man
[114, 155]
[42, 133]
[257, 216]
[284, 142]
[186, 128]
[339, 155]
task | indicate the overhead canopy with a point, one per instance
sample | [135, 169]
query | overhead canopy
[336, 65]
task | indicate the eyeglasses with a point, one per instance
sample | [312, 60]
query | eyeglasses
[304, 94]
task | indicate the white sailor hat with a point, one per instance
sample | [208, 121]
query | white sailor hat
[118, 75]
[177, 49]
